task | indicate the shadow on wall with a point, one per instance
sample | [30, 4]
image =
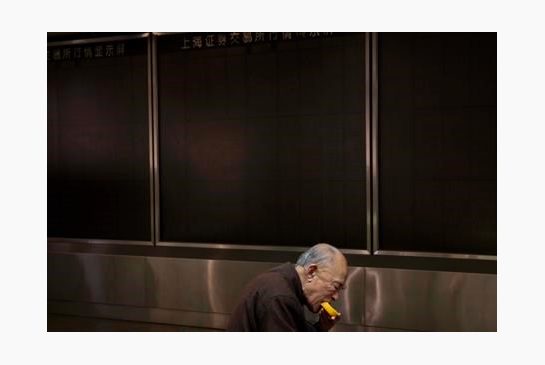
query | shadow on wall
[100, 286]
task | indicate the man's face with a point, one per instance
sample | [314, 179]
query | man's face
[325, 283]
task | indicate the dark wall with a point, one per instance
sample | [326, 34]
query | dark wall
[98, 150]
[265, 143]
[437, 145]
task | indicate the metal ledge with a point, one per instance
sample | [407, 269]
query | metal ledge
[435, 254]
[224, 246]
[167, 33]
[98, 40]
[97, 241]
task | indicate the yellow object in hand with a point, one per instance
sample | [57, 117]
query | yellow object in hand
[330, 310]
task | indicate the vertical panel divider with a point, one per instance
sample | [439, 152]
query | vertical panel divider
[155, 139]
[368, 190]
[150, 138]
[374, 140]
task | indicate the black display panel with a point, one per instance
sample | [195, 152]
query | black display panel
[437, 126]
[98, 146]
[261, 138]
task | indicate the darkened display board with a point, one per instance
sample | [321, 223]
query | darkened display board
[437, 128]
[98, 146]
[262, 138]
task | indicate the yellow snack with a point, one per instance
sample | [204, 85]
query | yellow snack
[330, 310]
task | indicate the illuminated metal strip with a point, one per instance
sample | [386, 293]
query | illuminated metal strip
[98, 40]
[435, 254]
[97, 241]
[151, 139]
[367, 106]
[155, 152]
[167, 33]
[253, 247]
[374, 137]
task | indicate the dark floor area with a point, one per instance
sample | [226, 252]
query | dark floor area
[64, 323]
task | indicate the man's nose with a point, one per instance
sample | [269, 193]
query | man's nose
[335, 295]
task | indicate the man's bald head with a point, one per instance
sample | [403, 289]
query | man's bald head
[322, 254]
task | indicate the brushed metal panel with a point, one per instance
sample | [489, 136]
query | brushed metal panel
[162, 286]
[212, 321]
[98, 278]
[64, 277]
[430, 300]
[215, 286]
[71, 323]
[196, 292]
[351, 302]
[79, 277]
[128, 280]
[345, 327]
[200, 285]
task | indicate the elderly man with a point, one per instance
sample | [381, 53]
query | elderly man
[274, 300]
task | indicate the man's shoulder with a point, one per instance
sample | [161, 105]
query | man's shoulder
[277, 275]
[275, 282]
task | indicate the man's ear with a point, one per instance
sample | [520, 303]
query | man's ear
[311, 270]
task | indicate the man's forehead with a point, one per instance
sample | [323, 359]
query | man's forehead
[340, 261]
[339, 269]
[341, 274]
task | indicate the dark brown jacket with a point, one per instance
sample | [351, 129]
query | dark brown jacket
[273, 301]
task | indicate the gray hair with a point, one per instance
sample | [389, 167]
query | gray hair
[319, 254]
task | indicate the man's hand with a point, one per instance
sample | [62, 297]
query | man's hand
[326, 322]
